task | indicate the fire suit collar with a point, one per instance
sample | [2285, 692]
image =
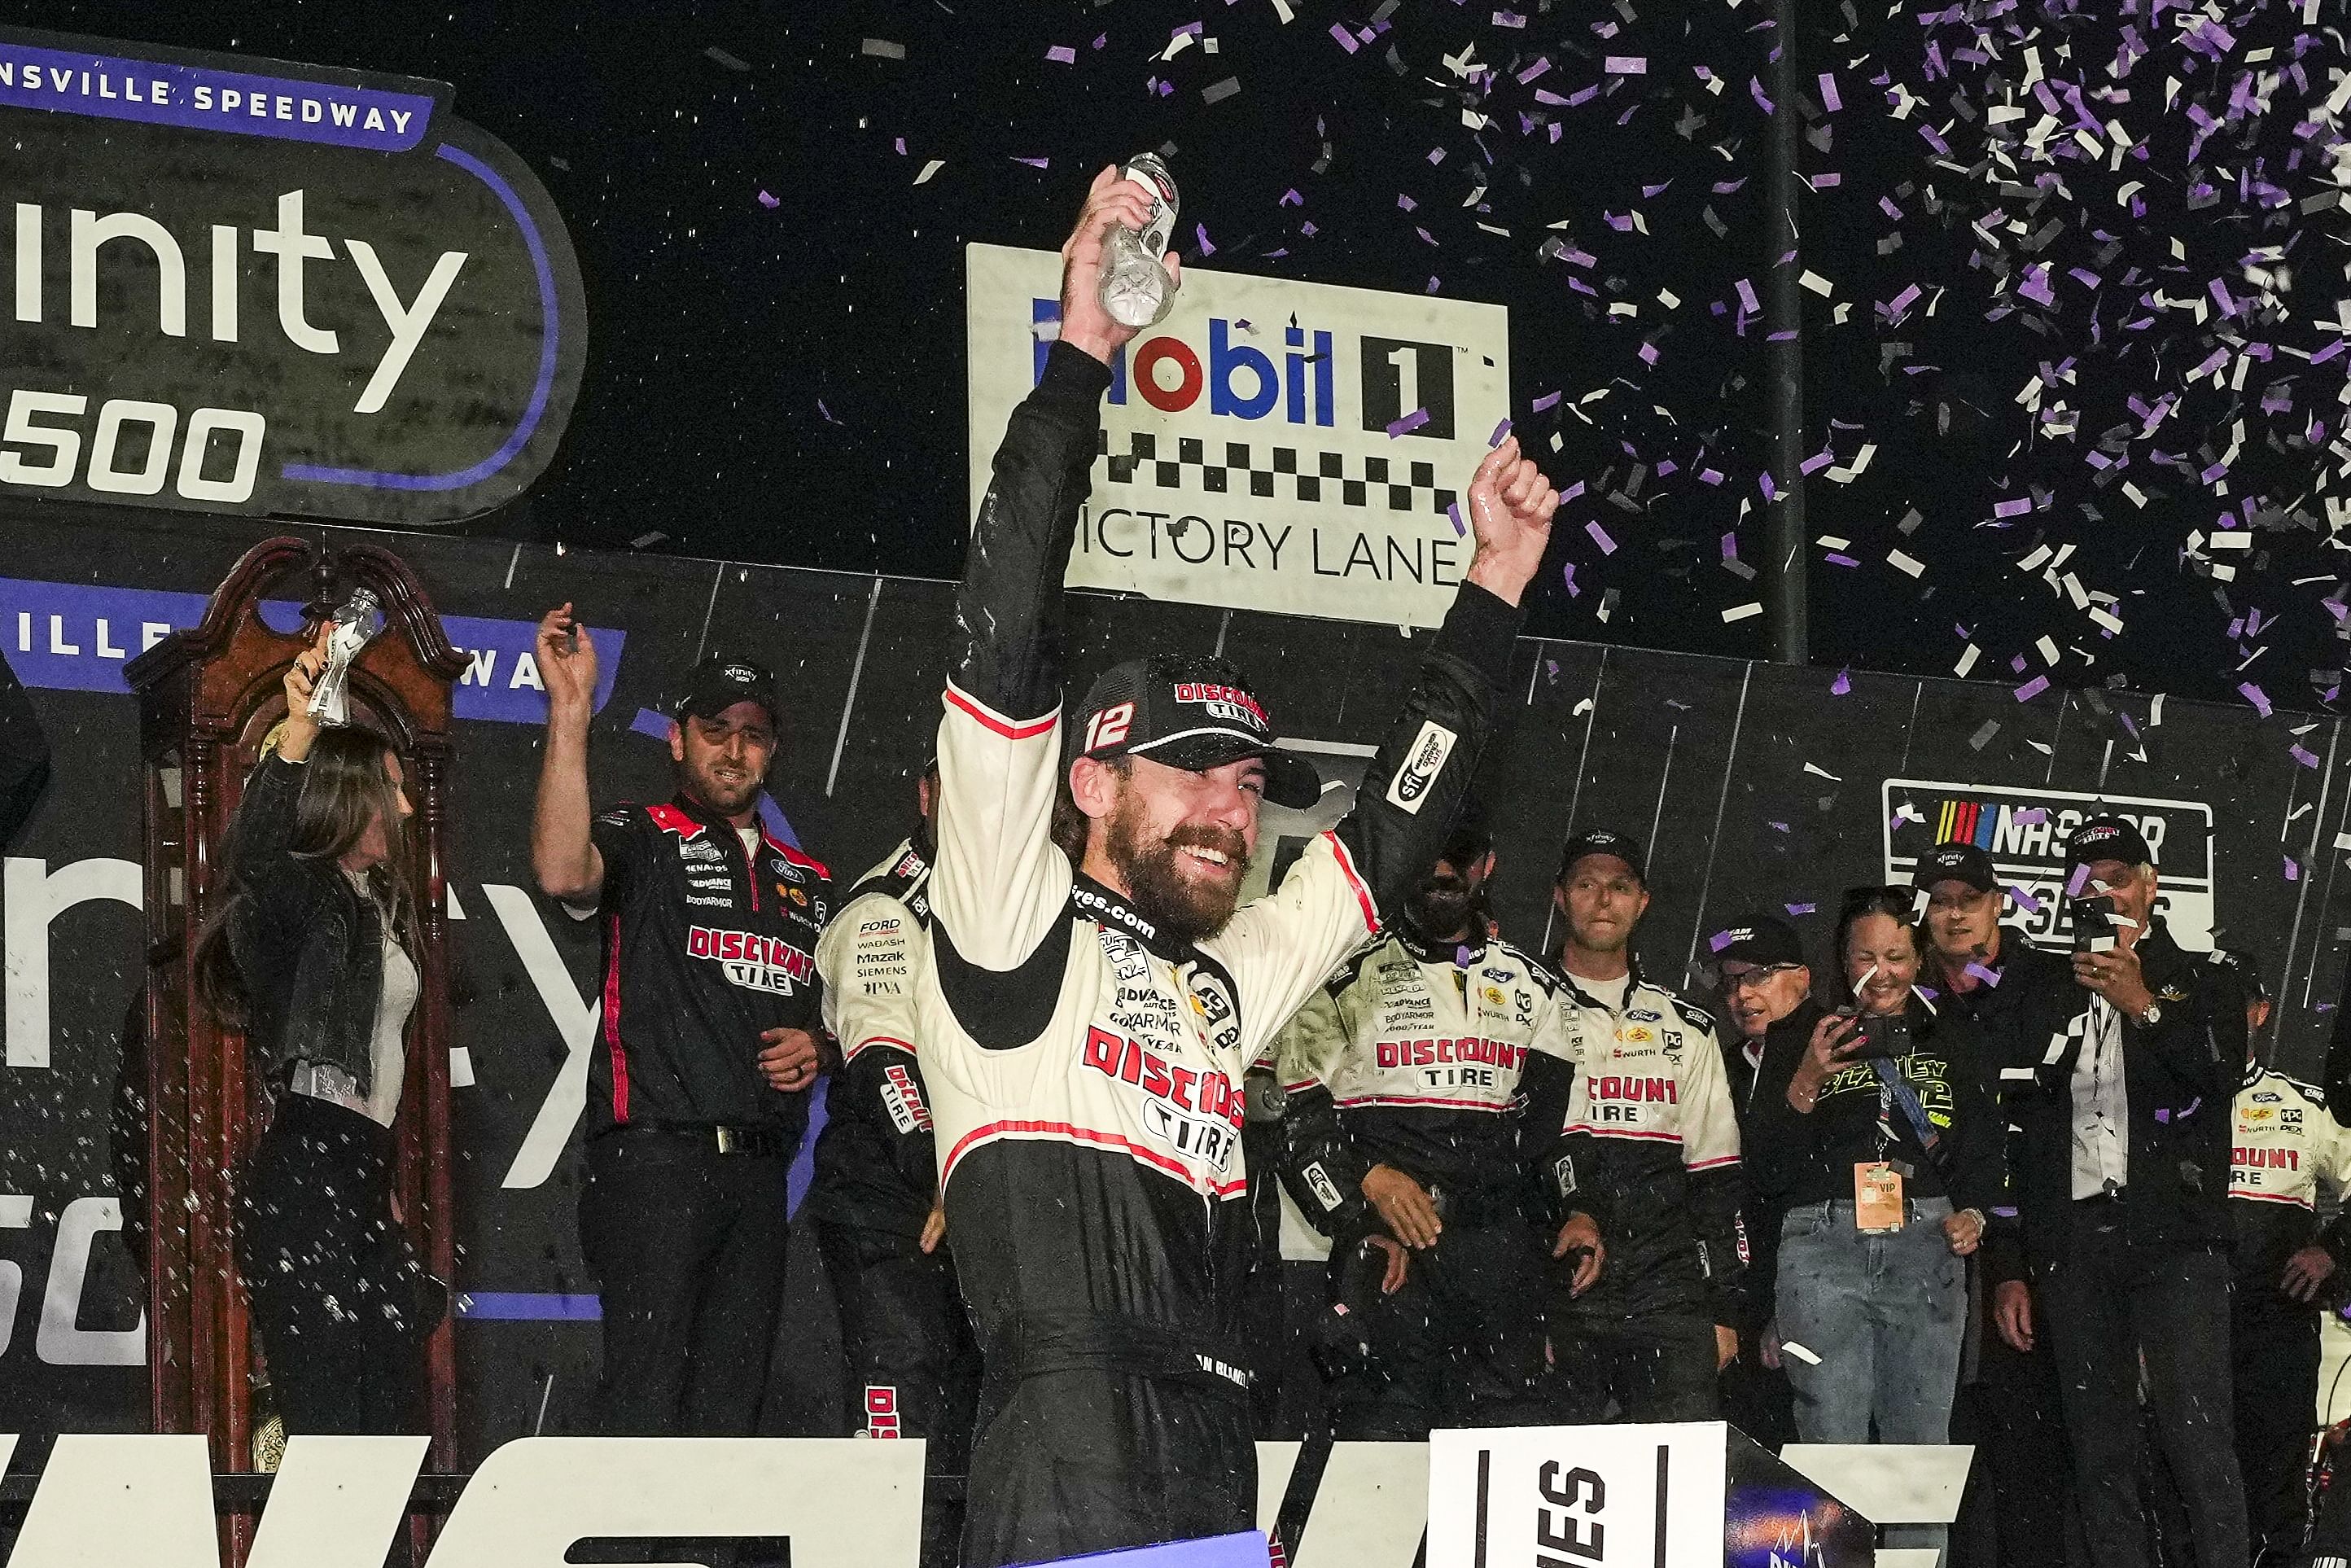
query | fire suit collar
[702, 814]
[1090, 900]
[1462, 954]
[1635, 982]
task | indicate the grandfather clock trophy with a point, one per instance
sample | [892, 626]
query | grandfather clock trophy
[208, 698]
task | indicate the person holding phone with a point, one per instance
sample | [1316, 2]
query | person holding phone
[2120, 1165]
[1872, 1132]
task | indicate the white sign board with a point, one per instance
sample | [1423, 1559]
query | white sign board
[1574, 1497]
[1296, 447]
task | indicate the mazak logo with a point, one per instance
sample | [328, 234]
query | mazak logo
[2024, 832]
[754, 962]
[1197, 1113]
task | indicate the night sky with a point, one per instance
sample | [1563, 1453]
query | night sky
[785, 382]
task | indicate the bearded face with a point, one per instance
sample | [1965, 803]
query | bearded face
[1186, 880]
[1444, 907]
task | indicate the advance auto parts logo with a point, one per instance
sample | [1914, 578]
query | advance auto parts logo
[248, 286]
[2025, 830]
[1272, 445]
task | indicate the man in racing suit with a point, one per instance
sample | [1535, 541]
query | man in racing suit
[1407, 1080]
[2287, 1268]
[912, 1366]
[704, 1052]
[1651, 1145]
[1084, 1036]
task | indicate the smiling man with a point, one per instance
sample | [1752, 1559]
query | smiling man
[1084, 1035]
[698, 1080]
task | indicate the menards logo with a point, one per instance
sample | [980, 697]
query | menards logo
[2023, 830]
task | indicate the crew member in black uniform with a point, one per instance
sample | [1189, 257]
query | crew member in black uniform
[1989, 972]
[2289, 1269]
[1407, 1082]
[914, 1368]
[1084, 1034]
[697, 1090]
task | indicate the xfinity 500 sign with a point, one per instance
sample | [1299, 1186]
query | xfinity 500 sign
[1270, 446]
[245, 286]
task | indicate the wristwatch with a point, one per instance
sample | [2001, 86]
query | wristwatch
[2151, 1016]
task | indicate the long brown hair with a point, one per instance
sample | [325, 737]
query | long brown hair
[345, 786]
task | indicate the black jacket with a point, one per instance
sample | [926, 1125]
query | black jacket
[1798, 1158]
[704, 949]
[308, 948]
[2036, 994]
[2180, 1078]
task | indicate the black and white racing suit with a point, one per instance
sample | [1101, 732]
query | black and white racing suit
[1085, 1071]
[2285, 1145]
[1423, 1059]
[1651, 1148]
[913, 1365]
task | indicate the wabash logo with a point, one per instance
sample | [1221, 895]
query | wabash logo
[1197, 1113]
[1224, 702]
[754, 962]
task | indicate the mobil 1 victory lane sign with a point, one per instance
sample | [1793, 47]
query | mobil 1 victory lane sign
[1270, 446]
[242, 285]
[2023, 830]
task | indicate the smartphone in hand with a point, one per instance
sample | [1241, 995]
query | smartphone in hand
[2094, 922]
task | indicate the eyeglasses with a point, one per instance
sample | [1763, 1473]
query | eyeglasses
[1754, 980]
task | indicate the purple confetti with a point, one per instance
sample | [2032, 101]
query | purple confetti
[1989, 977]
[1719, 941]
[1062, 54]
[1600, 536]
[1625, 65]
[1548, 401]
[1035, 162]
[1842, 684]
[2255, 695]
[1798, 908]
[2292, 869]
[2024, 901]
[1347, 39]
[1460, 529]
[769, 201]
[2031, 688]
[1408, 423]
[2308, 759]
[1200, 233]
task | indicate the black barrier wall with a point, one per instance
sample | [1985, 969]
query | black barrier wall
[1757, 785]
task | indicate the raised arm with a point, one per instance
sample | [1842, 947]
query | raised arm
[998, 886]
[563, 857]
[1280, 947]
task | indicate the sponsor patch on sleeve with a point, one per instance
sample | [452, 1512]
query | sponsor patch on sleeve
[1408, 791]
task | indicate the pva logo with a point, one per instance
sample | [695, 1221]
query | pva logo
[1407, 387]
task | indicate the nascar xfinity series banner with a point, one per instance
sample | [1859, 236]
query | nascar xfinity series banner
[1271, 445]
[1755, 786]
[242, 285]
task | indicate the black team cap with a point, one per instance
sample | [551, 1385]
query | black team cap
[1602, 842]
[1765, 941]
[1194, 712]
[1957, 862]
[2107, 838]
[720, 681]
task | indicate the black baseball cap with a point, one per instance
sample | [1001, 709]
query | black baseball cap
[2107, 838]
[1194, 712]
[721, 681]
[1602, 842]
[1956, 861]
[1764, 940]
[2247, 970]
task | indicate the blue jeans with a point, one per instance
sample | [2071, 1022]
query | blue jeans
[1885, 1315]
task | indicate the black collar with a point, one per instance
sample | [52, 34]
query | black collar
[715, 821]
[1459, 954]
[1090, 900]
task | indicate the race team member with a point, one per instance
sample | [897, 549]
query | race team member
[1651, 1144]
[1084, 1037]
[1405, 1142]
[1765, 979]
[2288, 1269]
[2115, 1162]
[913, 1365]
[1991, 974]
[703, 1059]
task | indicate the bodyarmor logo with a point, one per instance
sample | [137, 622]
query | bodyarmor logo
[1197, 1113]
[756, 963]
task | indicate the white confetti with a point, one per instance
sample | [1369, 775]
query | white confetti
[929, 168]
[1742, 612]
[1901, 563]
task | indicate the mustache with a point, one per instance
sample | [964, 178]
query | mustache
[1227, 841]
